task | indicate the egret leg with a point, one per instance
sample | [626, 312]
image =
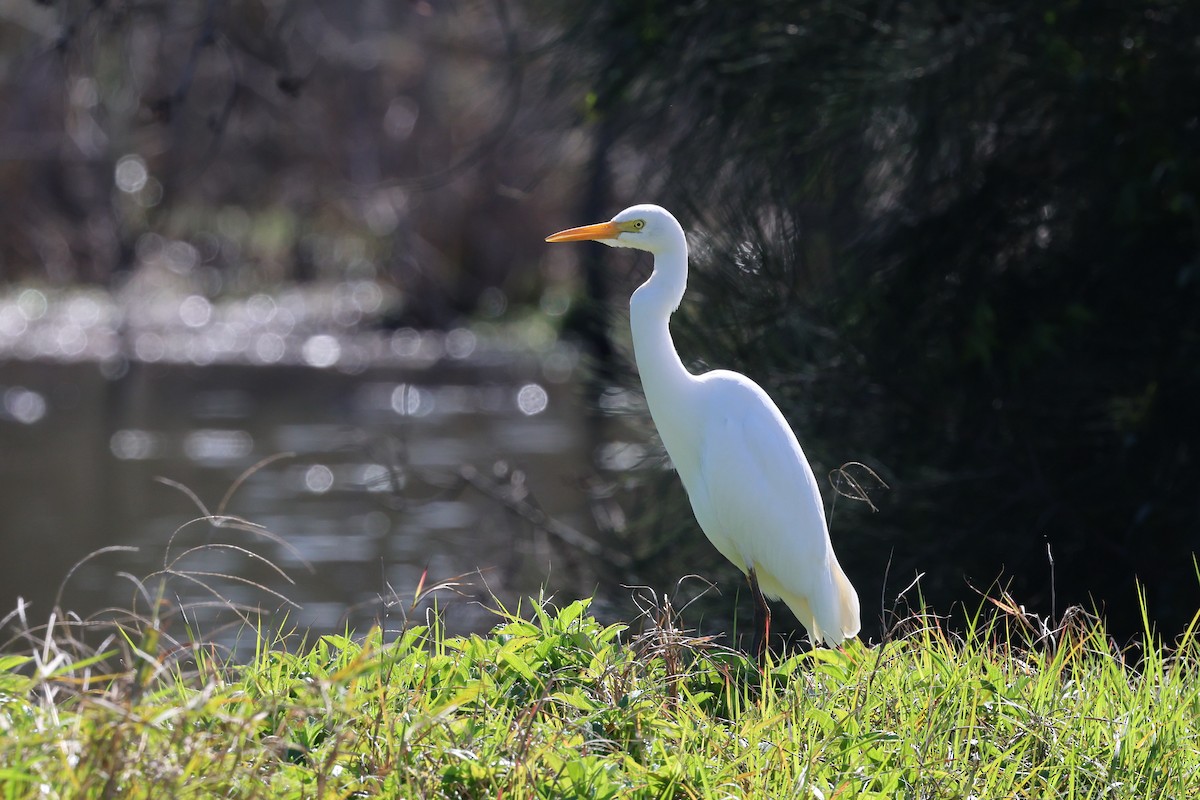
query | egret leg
[762, 618]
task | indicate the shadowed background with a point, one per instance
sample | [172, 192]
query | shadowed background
[957, 248]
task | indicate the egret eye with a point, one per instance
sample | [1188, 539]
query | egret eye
[638, 224]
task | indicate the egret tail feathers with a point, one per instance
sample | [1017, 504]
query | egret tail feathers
[848, 610]
[831, 622]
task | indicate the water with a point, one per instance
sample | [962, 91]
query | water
[402, 460]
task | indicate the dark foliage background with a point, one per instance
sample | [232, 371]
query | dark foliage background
[287, 141]
[958, 245]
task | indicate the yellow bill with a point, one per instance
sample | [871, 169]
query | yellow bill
[587, 233]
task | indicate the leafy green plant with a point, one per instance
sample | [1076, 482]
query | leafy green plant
[553, 703]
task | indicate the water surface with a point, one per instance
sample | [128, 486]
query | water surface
[408, 458]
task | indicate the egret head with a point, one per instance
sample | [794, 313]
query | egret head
[644, 227]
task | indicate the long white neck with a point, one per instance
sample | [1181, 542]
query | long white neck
[667, 384]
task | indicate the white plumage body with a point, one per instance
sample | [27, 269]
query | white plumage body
[751, 488]
[756, 499]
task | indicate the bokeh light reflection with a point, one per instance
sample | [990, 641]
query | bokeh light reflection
[532, 399]
[23, 405]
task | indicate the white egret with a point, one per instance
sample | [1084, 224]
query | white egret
[751, 488]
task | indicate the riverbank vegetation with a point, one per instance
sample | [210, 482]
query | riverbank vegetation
[553, 703]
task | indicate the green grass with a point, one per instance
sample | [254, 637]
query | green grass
[559, 705]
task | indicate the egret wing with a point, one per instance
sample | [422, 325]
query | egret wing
[762, 501]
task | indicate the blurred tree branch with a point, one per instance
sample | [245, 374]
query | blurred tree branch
[315, 121]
